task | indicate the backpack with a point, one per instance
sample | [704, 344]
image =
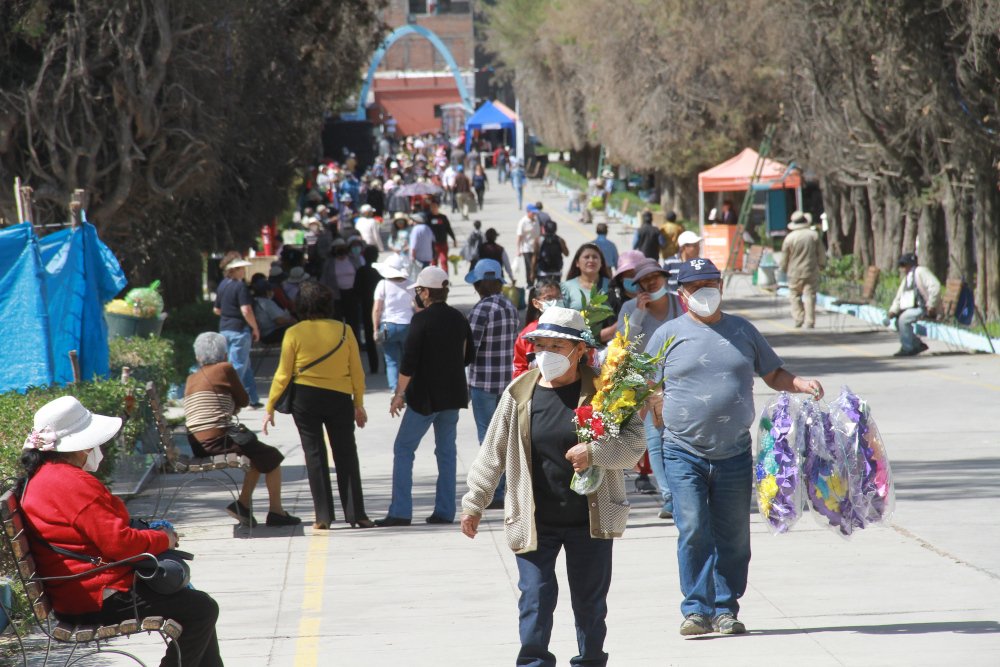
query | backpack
[491, 251]
[550, 257]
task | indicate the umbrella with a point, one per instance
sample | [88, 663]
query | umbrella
[417, 190]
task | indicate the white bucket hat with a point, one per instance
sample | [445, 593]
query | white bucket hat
[237, 263]
[297, 275]
[64, 425]
[394, 267]
[558, 322]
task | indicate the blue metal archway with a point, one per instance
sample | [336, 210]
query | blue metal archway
[396, 35]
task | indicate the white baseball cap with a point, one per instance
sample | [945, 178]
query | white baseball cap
[688, 238]
[432, 278]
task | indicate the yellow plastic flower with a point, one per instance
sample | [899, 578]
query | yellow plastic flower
[623, 402]
[838, 486]
[767, 489]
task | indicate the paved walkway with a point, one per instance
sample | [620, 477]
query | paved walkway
[924, 591]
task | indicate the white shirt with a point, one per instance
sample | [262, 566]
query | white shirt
[368, 228]
[398, 300]
[448, 180]
[527, 233]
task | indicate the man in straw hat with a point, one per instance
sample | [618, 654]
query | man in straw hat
[234, 306]
[802, 258]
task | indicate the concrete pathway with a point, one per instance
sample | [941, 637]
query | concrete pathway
[924, 591]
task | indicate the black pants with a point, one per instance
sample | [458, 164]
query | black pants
[313, 409]
[371, 348]
[195, 610]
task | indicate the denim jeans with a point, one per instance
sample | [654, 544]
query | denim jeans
[907, 338]
[712, 513]
[654, 445]
[588, 569]
[392, 350]
[484, 404]
[239, 343]
[411, 430]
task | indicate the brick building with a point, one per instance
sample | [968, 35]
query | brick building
[413, 80]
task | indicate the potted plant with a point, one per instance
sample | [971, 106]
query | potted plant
[140, 313]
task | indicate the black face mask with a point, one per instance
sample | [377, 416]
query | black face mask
[418, 300]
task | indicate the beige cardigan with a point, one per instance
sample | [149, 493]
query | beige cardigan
[507, 449]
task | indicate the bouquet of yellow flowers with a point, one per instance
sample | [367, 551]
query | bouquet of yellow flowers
[622, 388]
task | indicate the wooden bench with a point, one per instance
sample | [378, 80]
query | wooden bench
[15, 541]
[193, 468]
[865, 298]
[953, 289]
[750, 264]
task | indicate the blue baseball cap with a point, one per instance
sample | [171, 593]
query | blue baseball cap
[531, 208]
[697, 269]
[485, 269]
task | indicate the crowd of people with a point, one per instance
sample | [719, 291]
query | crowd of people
[375, 280]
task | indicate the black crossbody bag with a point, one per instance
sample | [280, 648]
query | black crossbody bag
[284, 402]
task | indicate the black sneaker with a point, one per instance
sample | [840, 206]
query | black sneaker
[644, 485]
[237, 510]
[728, 624]
[286, 519]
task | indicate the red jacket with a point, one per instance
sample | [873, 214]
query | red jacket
[522, 348]
[70, 508]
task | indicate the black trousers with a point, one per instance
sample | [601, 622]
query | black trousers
[195, 610]
[314, 409]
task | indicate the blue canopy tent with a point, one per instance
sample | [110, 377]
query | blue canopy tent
[487, 117]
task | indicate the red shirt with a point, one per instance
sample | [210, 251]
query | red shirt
[70, 508]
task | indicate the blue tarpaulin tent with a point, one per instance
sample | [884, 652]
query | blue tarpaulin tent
[487, 117]
[52, 292]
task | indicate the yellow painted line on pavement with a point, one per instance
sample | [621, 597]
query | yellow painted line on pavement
[989, 386]
[307, 644]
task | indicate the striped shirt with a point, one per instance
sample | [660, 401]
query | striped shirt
[211, 396]
[494, 325]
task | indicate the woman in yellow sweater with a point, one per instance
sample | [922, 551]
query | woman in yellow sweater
[329, 394]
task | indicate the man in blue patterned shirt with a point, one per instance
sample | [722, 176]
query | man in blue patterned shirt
[494, 324]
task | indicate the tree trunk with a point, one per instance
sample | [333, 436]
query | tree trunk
[960, 260]
[831, 207]
[986, 233]
[847, 222]
[877, 204]
[932, 245]
[863, 251]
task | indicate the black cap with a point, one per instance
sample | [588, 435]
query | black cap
[907, 259]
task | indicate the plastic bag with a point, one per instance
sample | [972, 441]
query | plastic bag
[587, 481]
[145, 301]
[826, 469]
[873, 497]
[776, 466]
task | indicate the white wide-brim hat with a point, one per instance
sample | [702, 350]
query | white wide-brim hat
[64, 425]
[558, 322]
[394, 267]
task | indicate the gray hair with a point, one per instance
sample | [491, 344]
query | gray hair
[210, 348]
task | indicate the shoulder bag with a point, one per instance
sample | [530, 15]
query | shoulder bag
[284, 402]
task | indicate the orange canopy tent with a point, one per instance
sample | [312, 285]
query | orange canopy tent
[734, 175]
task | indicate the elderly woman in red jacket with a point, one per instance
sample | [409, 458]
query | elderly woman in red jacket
[66, 507]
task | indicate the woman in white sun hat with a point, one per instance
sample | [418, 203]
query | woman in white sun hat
[532, 438]
[392, 313]
[66, 507]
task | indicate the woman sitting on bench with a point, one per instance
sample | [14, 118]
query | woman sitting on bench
[212, 395]
[69, 509]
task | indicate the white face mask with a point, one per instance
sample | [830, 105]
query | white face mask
[552, 365]
[94, 458]
[705, 301]
[545, 305]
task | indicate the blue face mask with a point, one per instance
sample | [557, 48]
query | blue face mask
[658, 294]
[630, 285]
